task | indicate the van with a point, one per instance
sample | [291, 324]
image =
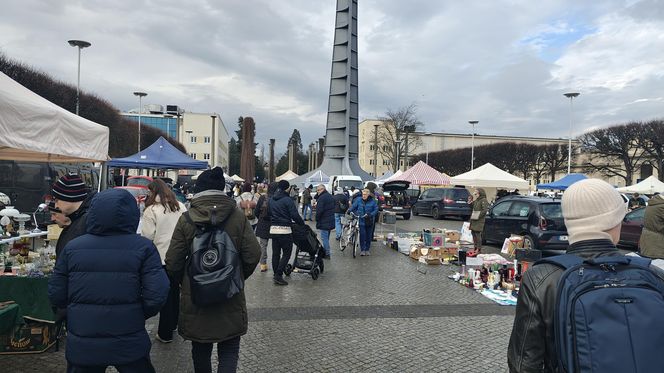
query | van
[345, 182]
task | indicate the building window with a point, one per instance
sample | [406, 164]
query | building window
[371, 162]
[193, 155]
[386, 148]
[371, 147]
[206, 139]
[206, 155]
[192, 139]
[386, 162]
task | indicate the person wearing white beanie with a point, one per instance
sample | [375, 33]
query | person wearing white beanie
[593, 212]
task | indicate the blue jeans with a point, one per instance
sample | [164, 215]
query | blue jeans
[337, 224]
[325, 237]
[365, 237]
[304, 211]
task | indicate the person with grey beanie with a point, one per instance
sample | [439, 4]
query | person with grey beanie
[593, 211]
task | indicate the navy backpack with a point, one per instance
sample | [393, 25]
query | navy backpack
[609, 315]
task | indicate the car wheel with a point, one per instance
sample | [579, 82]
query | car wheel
[435, 214]
[529, 243]
[406, 217]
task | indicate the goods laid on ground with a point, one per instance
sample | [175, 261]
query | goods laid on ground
[493, 276]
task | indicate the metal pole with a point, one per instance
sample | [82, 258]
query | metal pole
[214, 161]
[78, 84]
[375, 157]
[140, 104]
[472, 145]
[571, 96]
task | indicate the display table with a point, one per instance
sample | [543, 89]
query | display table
[31, 294]
[10, 316]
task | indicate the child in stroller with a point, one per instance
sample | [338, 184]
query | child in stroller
[309, 252]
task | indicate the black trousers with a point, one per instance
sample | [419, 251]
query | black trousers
[282, 247]
[168, 315]
[228, 353]
[139, 366]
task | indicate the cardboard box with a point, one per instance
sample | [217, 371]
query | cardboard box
[433, 239]
[453, 235]
[33, 337]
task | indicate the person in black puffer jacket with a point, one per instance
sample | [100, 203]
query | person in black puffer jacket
[324, 216]
[263, 225]
[283, 213]
[110, 280]
[340, 208]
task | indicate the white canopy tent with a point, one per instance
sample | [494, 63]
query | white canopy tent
[490, 176]
[288, 176]
[237, 178]
[37, 130]
[395, 176]
[650, 185]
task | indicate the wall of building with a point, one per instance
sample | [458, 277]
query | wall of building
[196, 136]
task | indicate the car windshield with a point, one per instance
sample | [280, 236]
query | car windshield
[552, 210]
[139, 181]
[349, 183]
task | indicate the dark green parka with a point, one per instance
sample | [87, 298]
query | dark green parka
[652, 235]
[482, 205]
[226, 320]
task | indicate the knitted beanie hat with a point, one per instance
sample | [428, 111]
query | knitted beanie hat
[211, 179]
[590, 208]
[70, 188]
[283, 184]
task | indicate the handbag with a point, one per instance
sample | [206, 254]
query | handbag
[475, 215]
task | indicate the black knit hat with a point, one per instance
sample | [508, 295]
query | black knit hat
[70, 188]
[283, 184]
[211, 179]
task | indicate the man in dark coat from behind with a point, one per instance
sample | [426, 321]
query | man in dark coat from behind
[110, 280]
[324, 216]
[282, 213]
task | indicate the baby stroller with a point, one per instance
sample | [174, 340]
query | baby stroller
[309, 252]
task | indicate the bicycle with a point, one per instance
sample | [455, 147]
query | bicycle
[350, 234]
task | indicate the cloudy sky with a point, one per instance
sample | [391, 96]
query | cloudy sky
[505, 63]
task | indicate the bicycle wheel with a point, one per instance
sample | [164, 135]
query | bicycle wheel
[355, 241]
[343, 241]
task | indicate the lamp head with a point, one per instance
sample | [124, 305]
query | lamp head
[140, 94]
[79, 43]
[473, 121]
[571, 94]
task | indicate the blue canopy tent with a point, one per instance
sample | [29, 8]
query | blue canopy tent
[563, 183]
[160, 155]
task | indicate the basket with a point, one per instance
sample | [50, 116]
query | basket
[434, 239]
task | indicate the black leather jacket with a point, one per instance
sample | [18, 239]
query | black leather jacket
[531, 347]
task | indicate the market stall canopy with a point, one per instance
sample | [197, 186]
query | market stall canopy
[394, 176]
[423, 174]
[385, 176]
[650, 185]
[160, 155]
[318, 177]
[490, 176]
[237, 178]
[563, 183]
[288, 176]
[37, 130]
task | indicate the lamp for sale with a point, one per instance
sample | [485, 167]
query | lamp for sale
[40, 208]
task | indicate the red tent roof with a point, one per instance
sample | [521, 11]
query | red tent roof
[423, 174]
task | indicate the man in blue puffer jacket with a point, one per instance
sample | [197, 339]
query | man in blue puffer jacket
[367, 209]
[110, 280]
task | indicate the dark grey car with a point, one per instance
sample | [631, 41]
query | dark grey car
[443, 202]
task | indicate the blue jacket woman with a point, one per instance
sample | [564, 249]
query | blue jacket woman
[110, 280]
[365, 206]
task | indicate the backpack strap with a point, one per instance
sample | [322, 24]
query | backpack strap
[214, 220]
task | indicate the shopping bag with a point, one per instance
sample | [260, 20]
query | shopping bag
[475, 215]
[466, 235]
[506, 247]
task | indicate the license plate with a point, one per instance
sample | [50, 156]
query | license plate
[397, 208]
[461, 201]
[563, 238]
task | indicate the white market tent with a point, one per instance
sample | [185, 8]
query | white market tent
[237, 178]
[650, 185]
[288, 175]
[37, 130]
[490, 176]
[385, 176]
[395, 176]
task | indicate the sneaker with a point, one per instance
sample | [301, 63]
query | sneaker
[367, 253]
[163, 340]
[362, 253]
[280, 281]
[327, 256]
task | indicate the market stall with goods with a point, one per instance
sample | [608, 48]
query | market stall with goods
[490, 178]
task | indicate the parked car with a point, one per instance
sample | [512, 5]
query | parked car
[396, 198]
[442, 202]
[539, 220]
[139, 181]
[632, 225]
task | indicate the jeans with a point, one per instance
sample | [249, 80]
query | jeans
[228, 353]
[263, 242]
[365, 237]
[142, 365]
[337, 224]
[304, 211]
[282, 247]
[325, 237]
[168, 315]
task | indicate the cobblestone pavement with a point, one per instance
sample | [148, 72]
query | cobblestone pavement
[382, 313]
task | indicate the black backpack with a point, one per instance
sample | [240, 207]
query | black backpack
[215, 267]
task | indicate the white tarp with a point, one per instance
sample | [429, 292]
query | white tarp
[35, 129]
[490, 176]
[395, 176]
[288, 176]
[650, 185]
[237, 178]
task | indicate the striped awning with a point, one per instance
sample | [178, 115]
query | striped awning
[423, 174]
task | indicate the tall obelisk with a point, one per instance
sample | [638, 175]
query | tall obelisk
[341, 134]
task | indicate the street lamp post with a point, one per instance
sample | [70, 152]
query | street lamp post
[472, 144]
[427, 158]
[213, 142]
[140, 109]
[571, 96]
[80, 44]
[398, 148]
[375, 155]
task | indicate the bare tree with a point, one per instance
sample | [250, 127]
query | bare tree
[554, 158]
[398, 127]
[652, 143]
[614, 151]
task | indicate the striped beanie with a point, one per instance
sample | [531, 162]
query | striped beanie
[70, 188]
